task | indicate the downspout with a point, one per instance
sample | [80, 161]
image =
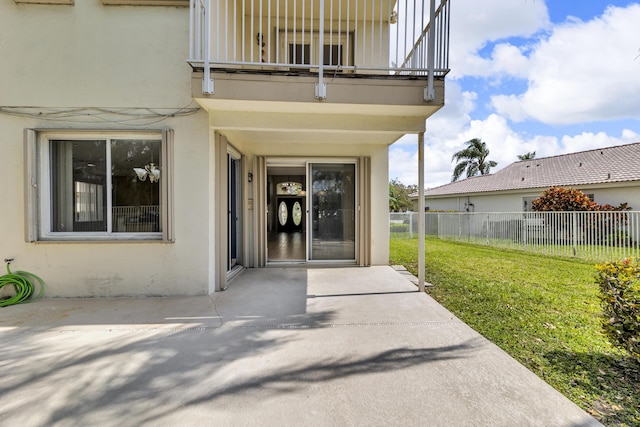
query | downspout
[192, 21]
[321, 86]
[207, 82]
[430, 95]
[421, 203]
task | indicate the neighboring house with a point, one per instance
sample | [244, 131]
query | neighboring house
[158, 147]
[607, 175]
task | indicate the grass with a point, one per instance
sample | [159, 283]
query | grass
[544, 311]
[595, 253]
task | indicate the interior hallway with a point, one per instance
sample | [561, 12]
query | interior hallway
[286, 246]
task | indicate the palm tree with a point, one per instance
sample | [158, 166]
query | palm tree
[530, 155]
[473, 159]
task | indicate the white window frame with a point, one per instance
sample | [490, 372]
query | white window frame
[173, 3]
[526, 203]
[38, 185]
[313, 40]
[62, 2]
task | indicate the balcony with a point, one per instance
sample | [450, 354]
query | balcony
[321, 56]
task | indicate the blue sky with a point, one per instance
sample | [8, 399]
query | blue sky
[554, 77]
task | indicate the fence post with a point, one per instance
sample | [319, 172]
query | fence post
[411, 225]
[574, 231]
[487, 229]
[524, 231]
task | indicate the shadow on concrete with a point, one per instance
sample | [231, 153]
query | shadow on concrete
[136, 377]
[262, 343]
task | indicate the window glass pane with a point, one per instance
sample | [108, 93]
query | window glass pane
[135, 168]
[333, 209]
[78, 180]
[289, 188]
[527, 203]
[332, 54]
[299, 54]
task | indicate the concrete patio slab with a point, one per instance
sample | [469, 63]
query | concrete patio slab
[282, 346]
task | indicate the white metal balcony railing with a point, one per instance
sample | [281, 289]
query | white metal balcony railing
[597, 236]
[379, 37]
[136, 219]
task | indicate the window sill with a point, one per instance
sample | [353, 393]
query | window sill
[63, 2]
[156, 238]
[176, 3]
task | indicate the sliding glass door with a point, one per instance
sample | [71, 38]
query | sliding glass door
[332, 210]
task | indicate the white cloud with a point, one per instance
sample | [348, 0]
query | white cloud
[509, 105]
[584, 71]
[510, 60]
[576, 72]
[441, 139]
[455, 114]
[474, 23]
[403, 163]
[503, 142]
[590, 141]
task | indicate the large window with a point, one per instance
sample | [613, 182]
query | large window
[100, 186]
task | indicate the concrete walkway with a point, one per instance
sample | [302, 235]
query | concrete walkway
[280, 347]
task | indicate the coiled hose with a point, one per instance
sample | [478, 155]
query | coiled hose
[23, 286]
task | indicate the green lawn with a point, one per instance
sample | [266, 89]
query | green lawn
[543, 311]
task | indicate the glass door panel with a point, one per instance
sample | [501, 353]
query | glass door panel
[332, 210]
[234, 229]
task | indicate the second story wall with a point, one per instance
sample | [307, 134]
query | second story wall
[92, 55]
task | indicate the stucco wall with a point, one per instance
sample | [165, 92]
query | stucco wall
[614, 194]
[480, 203]
[110, 66]
[91, 56]
[629, 193]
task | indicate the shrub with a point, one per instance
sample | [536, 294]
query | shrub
[619, 283]
[561, 199]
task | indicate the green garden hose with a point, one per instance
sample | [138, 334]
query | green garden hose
[23, 286]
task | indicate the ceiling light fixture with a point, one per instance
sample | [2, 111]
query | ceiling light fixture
[149, 170]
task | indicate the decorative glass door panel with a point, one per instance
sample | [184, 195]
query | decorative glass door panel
[283, 213]
[333, 211]
[296, 214]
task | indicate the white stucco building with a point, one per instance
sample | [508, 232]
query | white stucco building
[159, 147]
[608, 175]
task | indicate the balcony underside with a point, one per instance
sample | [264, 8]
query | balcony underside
[277, 108]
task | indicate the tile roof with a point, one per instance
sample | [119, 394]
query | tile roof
[604, 165]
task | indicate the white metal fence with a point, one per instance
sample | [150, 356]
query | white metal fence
[371, 36]
[594, 236]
